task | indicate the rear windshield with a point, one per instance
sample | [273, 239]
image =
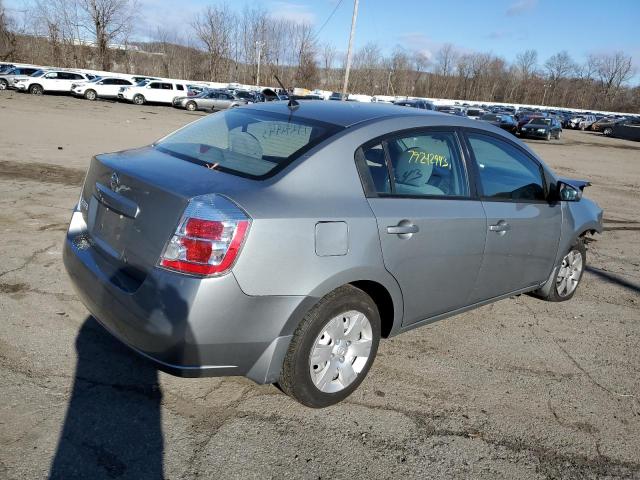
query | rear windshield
[474, 113]
[245, 142]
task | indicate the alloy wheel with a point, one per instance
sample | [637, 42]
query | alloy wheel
[569, 273]
[340, 351]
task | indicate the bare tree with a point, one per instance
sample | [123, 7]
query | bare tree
[559, 68]
[527, 63]
[108, 21]
[445, 63]
[214, 28]
[8, 41]
[328, 58]
[613, 71]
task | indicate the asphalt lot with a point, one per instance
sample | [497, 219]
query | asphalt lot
[520, 389]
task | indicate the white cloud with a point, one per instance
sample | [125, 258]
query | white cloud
[521, 6]
[294, 12]
[421, 43]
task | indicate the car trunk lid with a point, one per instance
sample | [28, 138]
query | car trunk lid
[134, 200]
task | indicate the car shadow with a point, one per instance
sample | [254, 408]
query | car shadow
[614, 279]
[112, 428]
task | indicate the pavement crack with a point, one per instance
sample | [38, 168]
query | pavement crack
[29, 259]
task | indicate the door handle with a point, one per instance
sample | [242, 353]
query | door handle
[500, 227]
[403, 229]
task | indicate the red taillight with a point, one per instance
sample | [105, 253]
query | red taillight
[208, 238]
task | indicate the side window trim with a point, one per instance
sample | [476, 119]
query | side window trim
[476, 174]
[460, 141]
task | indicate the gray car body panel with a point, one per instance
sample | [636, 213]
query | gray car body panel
[313, 229]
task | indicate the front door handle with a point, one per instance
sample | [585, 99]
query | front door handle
[405, 229]
[500, 227]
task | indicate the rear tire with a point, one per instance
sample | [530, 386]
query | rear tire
[565, 278]
[332, 349]
[36, 89]
[138, 99]
[90, 95]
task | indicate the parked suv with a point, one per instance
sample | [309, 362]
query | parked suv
[156, 91]
[281, 242]
[52, 81]
[586, 122]
[8, 79]
[107, 87]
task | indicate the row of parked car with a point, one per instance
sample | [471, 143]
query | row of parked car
[538, 123]
[192, 96]
[135, 89]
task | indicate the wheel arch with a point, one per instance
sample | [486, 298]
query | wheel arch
[383, 289]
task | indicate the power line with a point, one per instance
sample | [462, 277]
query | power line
[329, 18]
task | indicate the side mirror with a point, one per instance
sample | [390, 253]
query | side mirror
[569, 193]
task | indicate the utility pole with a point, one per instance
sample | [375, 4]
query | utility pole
[259, 46]
[349, 51]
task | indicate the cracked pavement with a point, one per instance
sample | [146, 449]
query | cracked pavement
[520, 389]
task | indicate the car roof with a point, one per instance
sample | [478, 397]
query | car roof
[344, 114]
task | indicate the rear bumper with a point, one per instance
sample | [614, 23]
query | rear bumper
[188, 326]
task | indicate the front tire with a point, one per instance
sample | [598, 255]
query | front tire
[566, 277]
[3, 84]
[90, 95]
[36, 89]
[548, 136]
[332, 349]
[607, 132]
[138, 99]
[191, 106]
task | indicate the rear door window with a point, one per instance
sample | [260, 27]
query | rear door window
[419, 164]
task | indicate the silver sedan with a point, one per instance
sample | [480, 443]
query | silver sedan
[281, 241]
[211, 100]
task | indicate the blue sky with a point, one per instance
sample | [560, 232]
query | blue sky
[503, 27]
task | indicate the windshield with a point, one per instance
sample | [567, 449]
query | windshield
[474, 113]
[539, 121]
[249, 143]
[38, 73]
[491, 117]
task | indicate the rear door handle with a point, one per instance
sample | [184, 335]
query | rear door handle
[500, 227]
[403, 229]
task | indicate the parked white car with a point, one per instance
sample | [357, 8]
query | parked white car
[52, 81]
[107, 87]
[155, 91]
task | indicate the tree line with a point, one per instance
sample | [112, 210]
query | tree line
[227, 45]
